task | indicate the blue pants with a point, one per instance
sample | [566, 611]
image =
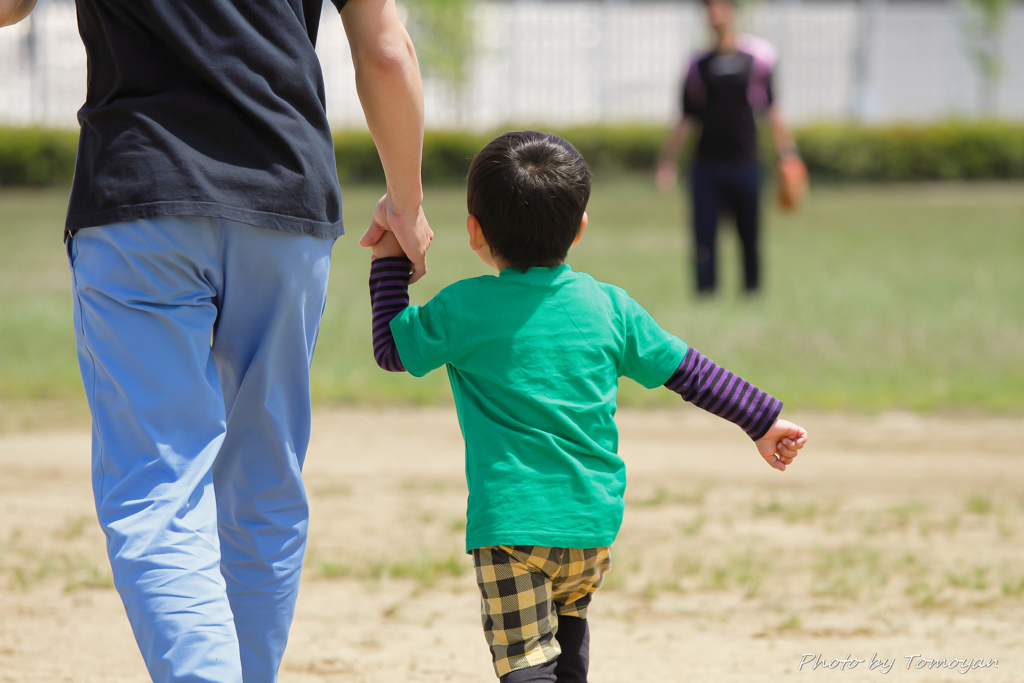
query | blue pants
[734, 187]
[195, 337]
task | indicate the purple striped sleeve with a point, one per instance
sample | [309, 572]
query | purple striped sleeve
[389, 296]
[716, 390]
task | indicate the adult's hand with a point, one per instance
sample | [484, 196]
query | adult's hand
[411, 229]
[13, 11]
[391, 92]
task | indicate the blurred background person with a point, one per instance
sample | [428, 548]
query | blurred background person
[724, 90]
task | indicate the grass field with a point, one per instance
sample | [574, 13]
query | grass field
[905, 296]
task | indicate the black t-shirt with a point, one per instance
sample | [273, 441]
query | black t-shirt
[724, 91]
[208, 108]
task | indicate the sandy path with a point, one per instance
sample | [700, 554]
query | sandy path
[895, 535]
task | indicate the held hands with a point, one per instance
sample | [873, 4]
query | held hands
[408, 230]
[387, 246]
[779, 446]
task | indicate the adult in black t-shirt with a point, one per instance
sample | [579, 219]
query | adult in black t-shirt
[723, 91]
[204, 207]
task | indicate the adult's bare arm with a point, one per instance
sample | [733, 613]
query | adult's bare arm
[13, 11]
[391, 92]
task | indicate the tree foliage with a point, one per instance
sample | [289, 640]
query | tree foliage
[983, 31]
[443, 33]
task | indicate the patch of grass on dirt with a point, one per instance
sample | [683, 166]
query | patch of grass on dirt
[425, 571]
[70, 552]
[1013, 588]
[976, 579]
[664, 496]
[693, 527]
[978, 504]
[791, 512]
[73, 569]
[848, 572]
[744, 570]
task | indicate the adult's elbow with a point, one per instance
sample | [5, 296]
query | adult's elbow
[13, 11]
[394, 55]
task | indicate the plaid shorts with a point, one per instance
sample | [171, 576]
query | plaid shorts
[524, 589]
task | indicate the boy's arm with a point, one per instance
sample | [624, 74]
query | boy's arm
[716, 390]
[706, 385]
[413, 339]
[389, 296]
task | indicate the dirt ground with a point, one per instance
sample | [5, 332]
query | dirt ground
[893, 535]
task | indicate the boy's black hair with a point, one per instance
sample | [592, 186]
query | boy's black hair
[529, 191]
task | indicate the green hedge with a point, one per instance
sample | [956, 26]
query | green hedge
[447, 155]
[945, 151]
[37, 156]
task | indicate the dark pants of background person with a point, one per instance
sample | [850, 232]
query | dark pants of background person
[736, 188]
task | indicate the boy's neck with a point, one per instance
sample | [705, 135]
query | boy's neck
[501, 265]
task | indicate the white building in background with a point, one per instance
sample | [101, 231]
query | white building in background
[581, 62]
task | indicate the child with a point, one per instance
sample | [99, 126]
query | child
[534, 357]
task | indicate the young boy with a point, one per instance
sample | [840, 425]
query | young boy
[534, 357]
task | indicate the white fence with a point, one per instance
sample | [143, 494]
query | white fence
[576, 62]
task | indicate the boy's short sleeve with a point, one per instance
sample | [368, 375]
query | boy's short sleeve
[650, 354]
[423, 337]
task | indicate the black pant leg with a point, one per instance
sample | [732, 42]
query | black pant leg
[745, 200]
[573, 637]
[541, 673]
[571, 666]
[705, 205]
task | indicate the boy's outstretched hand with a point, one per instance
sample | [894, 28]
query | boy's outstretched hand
[780, 444]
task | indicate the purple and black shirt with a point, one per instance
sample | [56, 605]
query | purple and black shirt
[724, 91]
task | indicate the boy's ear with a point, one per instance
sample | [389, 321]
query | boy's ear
[477, 241]
[583, 226]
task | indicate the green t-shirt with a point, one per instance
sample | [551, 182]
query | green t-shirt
[534, 360]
